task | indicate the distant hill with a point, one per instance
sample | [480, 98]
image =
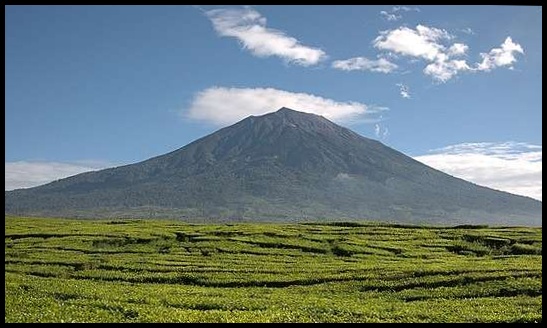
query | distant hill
[285, 165]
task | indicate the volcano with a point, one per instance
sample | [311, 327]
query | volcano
[282, 166]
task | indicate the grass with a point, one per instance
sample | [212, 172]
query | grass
[62, 270]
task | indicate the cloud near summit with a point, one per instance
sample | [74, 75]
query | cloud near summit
[223, 106]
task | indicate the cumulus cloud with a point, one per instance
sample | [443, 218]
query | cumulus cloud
[404, 90]
[510, 166]
[457, 49]
[249, 27]
[504, 56]
[443, 70]
[24, 174]
[420, 42]
[381, 65]
[224, 106]
[443, 59]
[427, 43]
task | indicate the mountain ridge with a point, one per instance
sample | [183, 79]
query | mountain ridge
[284, 165]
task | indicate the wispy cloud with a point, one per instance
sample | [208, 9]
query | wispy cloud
[380, 65]
[380, 131]
[389, 16]
[405, 8]
[249, 27]
[510, 166]
[23, 174]
[504, 56]
[394, 13]
[468, 31]
[224, 106]
[404, 90]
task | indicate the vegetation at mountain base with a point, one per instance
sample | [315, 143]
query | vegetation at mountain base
[68, 270]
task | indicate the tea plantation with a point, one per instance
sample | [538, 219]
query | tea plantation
[63, 270]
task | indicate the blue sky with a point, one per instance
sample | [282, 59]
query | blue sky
[458, 87]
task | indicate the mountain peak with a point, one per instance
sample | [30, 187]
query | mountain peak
[285, 111]
[289, 111]
[287, 118]
[294, 116]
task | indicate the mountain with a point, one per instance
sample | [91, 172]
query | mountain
[285, 165]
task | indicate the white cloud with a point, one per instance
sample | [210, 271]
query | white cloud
[392, 14]
[404, 90]
[380, 65]
[380, 132]
[431, 44]
[433, 33]
[503, 56]
[24, 174]
[421, 42]
[511, 166]
[404, 8]
[443, 60]
[224, 106]
[249, 27]
[468, 31]
[444, 70]
[457, 49]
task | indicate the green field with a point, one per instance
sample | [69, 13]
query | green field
[60, 270]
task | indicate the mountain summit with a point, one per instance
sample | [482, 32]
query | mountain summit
[286, 165]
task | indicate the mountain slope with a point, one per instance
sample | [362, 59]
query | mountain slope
[285, 165]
